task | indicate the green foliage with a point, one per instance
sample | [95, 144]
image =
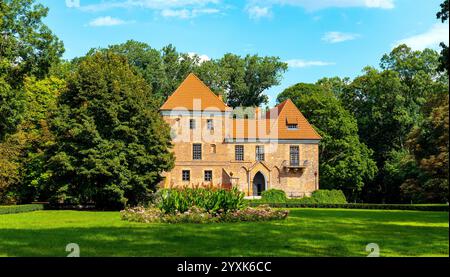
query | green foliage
[248, 77]
[111, 143]
[429, 142]
[27, 46]
[12, 104]
[345, 162]
[273, 195]
[362, 206]
[242, 80]
[321, 196]
[388, 104]
[329, 196]
[14, 209]
[213, 200]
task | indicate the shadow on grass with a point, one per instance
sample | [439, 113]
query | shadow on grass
[304, 233]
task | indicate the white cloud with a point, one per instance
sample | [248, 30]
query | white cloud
[313, 5]
[202, 58]
[148, 4]
[186, 14]
[73, 3]
[297, 63]
[335, 37]
[383, 4]
[106, 21]
[430, 39]
[257, 12]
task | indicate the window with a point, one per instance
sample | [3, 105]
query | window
[192, 124]
[260, 153]
[186, 175]
[294, 155]
[208, 175]
[197, 151]
[292, 126]
[213, 148]
[239, 152]
[210, 124]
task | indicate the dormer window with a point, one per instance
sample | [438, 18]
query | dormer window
[292, 126]
[291, 123]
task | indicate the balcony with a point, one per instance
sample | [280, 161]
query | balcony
[288, 166]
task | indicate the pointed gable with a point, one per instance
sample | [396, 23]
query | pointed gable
[290, 114]
[275, 127]
[193, 94]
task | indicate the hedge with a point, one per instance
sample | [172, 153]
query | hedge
[293, 204]
[273, 195]
[14, 209]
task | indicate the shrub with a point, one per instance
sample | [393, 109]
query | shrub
[299, 204]
[317, 197]
[329, 196]
[213, 200]
[273, 195]
[20, 208]
[200, 215]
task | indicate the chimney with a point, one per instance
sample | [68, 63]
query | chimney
[257, 112]
[220, 97]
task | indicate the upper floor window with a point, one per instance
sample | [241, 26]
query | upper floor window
[239, 152]
[197, 151]
[213, 148]
[186, 175]
[294, 155]
[210, 124]
[292, 126]
[208, 175]
[260, 152]
[191, 123]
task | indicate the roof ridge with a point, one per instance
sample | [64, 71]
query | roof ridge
[203, 83]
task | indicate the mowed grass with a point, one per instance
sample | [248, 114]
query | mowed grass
[307, 232]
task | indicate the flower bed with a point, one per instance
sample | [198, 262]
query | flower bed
[199, 215]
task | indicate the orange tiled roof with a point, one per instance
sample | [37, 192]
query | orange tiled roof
[275, 128]
[264, 127]
[190, 90]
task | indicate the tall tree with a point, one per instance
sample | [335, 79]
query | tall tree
[429, 143]
[443, 15]
[387, 105]
[345, 162]
[247, 78]
[163, 70]
[27, 47]
[111, 143]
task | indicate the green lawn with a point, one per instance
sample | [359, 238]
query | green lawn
[307, 232]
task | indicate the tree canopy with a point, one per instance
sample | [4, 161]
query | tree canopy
[111, 144]
[345, 162]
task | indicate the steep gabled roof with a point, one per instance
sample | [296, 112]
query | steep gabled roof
[193, 94]
[289, 113]
[275, 127]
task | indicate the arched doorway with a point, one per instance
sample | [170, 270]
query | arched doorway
[259, 184]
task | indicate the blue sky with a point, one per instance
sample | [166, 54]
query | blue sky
[318, 38]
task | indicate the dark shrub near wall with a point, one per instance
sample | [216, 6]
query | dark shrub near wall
[273, 195]
[318, 197]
